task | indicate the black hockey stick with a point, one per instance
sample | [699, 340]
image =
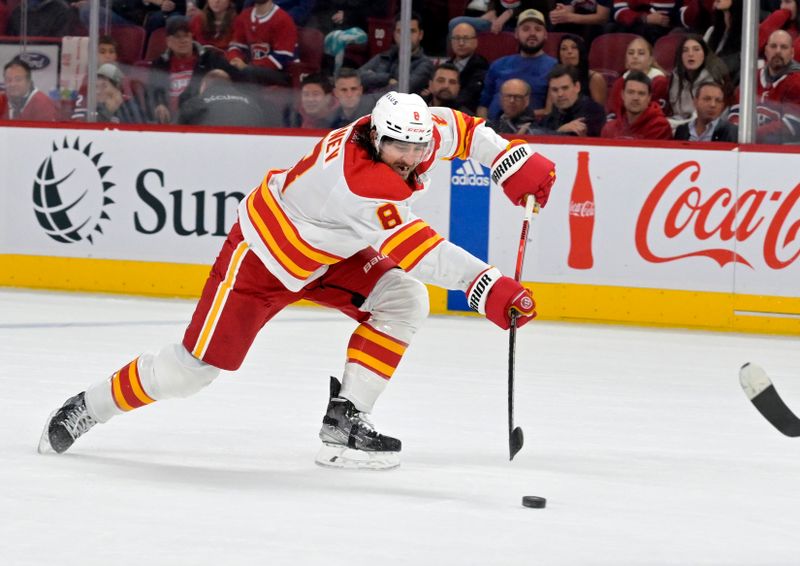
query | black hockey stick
[515, 437]
[759, 389]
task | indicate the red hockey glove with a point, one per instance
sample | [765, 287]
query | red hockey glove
[495, 295]
[521, 173]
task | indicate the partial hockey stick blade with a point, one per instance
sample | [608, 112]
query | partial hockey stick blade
[515, 442]
[762, 393]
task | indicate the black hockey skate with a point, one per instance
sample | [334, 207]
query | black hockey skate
[66, 425]
[349, 440]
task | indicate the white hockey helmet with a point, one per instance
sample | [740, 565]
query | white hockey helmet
[402, 117]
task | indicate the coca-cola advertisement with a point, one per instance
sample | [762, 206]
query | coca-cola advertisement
[581, 217]
[699, 220]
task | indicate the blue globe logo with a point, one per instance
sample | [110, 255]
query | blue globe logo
[69, 193]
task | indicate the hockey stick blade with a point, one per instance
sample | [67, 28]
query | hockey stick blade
[515, 442]
[762, 393]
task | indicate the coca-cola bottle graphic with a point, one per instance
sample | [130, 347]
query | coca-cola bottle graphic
[581, 217]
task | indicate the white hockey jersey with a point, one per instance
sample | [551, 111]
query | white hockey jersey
[337, 200]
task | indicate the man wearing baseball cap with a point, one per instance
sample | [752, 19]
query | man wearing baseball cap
[176, 74]
[531, 65]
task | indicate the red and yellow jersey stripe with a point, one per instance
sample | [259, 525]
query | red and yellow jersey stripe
[127, 390]
[411, 243]
[278, 233]
[375, 350]
[464, 130]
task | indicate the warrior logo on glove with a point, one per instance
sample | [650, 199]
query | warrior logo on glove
[522, 173]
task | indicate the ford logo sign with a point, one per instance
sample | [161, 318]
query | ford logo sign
[37, 61]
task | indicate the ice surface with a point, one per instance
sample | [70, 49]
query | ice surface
[641, 440]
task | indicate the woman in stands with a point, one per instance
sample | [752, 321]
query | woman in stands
[639, 57]
[724, 37]
[573, 53]
[785, 18]
[213, 25]
[694, 64]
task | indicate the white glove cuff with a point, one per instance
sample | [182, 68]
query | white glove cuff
[479, 289]
[510, 162]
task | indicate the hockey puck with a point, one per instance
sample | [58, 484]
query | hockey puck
[534, 502]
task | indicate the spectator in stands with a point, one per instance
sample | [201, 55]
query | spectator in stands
[219, 102]
[573, 113]
[531, 64]
[264, 43]
[444, 87]
[175, 75]
[724, 37]
[46, 18]
[572, 52]
[213, 25]
[299, 10]
[694, 64]
[639, 57]
[777, 93]
[641, 119]
[113, 105]
[107, 50]
[786, 19]
[516, 117]
[380, 73]
[150, 14]
[708, 125]
[471, 66]
[23, 101]
[585, 18]
[501, 15]
[349, 93]
[649, 18]
[316, 106]
[344, 22]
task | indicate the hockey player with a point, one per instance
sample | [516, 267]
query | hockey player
[335, 228]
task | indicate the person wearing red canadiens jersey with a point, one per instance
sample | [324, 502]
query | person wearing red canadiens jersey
[336, 228]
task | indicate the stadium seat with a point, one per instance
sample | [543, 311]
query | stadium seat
[131, 42]
[608, 52]
[380, 35]
[157, 44]
[493, 46]
[310, 47]
[356, 55]
[552, 42]
[664, 50]
[456, 8]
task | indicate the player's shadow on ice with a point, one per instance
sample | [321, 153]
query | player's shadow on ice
[303, 479]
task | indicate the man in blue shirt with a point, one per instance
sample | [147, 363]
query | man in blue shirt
[531, 65]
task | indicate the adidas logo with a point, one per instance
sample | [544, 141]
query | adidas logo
[470, 174]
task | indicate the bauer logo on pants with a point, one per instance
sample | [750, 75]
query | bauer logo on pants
[69, 193]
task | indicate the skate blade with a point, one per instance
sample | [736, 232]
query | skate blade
[342, 457]
[44, 441]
